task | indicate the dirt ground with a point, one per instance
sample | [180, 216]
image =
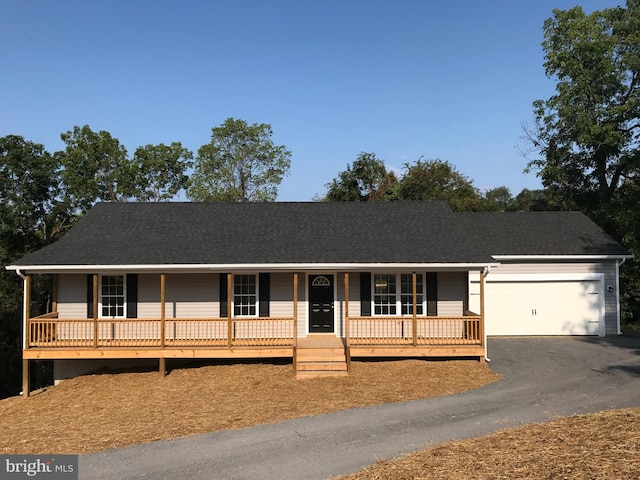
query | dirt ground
[603, 446]
[110, 410]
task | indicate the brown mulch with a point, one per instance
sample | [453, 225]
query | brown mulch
[599, 446]
[104, 411]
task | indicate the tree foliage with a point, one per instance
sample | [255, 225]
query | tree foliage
[95, 167]
[588, 133]
[366, 179]
[160, 171]
[240, 164]
[29, 219]
[439, 180]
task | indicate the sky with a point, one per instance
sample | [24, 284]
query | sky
[405, 79]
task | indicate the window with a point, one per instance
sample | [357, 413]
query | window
[384, 294]
[112, 299]
[245, 297]
[387, 300]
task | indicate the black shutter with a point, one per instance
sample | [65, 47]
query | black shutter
[263, 294]
[432, 294]
[89, 295]
[223, 295]
[365, 294]
[132, 295]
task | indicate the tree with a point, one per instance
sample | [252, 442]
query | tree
[497, 199]
[160, 171]
[439, 180]
[366, 179]
[95, 167]
[30, 218]
[240, 164]
[588, 133]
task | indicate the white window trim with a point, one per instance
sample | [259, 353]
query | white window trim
[124, 294]
[398, 294]
[233, 296]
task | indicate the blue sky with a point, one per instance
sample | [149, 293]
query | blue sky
[405, 79]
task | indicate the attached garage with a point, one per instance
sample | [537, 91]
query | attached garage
[544, 305]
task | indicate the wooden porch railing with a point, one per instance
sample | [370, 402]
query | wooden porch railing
[390, 331]
[50, 331]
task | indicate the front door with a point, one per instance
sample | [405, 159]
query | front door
[321, 304]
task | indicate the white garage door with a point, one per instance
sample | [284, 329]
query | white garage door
[543, 307]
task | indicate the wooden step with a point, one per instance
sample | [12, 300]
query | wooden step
[320, 362]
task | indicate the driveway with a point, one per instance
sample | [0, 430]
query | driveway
[542, 378]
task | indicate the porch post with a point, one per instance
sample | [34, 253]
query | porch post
[295, 322]
[414, 300]
[54, 293]
[162, 310]
[25, 378]
[295, 310]
[27, 311]
[347, 330]
[95, 310]
[482, 342]
[229, 312]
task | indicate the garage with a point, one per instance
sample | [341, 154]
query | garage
[525, 305]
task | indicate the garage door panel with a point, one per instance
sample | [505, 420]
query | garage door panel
[542, 308]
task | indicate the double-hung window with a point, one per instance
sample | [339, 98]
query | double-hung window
[393, 294]
[112, 296]
[245, 295]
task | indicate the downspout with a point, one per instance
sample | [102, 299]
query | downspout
[618, 264]
[24, 308]
[485, 272]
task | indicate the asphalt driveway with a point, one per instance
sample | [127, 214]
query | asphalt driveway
[542, 378]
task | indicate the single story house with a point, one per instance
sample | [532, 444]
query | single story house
[317, 282]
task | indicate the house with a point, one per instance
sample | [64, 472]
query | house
[320, 283]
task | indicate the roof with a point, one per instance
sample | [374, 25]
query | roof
[541, 234]
[314, 233]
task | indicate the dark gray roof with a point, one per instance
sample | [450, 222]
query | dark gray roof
[540, 233]
[314, 232]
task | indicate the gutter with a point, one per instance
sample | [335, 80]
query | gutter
[618, 264]
[484, 273]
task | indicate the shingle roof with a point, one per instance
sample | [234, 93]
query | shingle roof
[314, 232]
[540, 233]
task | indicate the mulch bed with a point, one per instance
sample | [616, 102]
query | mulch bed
[110, 410]
[599, 446]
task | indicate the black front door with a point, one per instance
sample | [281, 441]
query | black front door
[321, 304]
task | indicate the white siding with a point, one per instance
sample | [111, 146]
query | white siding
[192, 296]
[452, 293]
[281, 301]
[72, 296]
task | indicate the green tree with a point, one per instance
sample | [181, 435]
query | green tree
[30, 218]
[587, 134]
[439, 180]
[161, 171]
[95, 168]
[366, 179]
[240, 164]
[497, 199]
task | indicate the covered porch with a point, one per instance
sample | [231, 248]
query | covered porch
[55, 337]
